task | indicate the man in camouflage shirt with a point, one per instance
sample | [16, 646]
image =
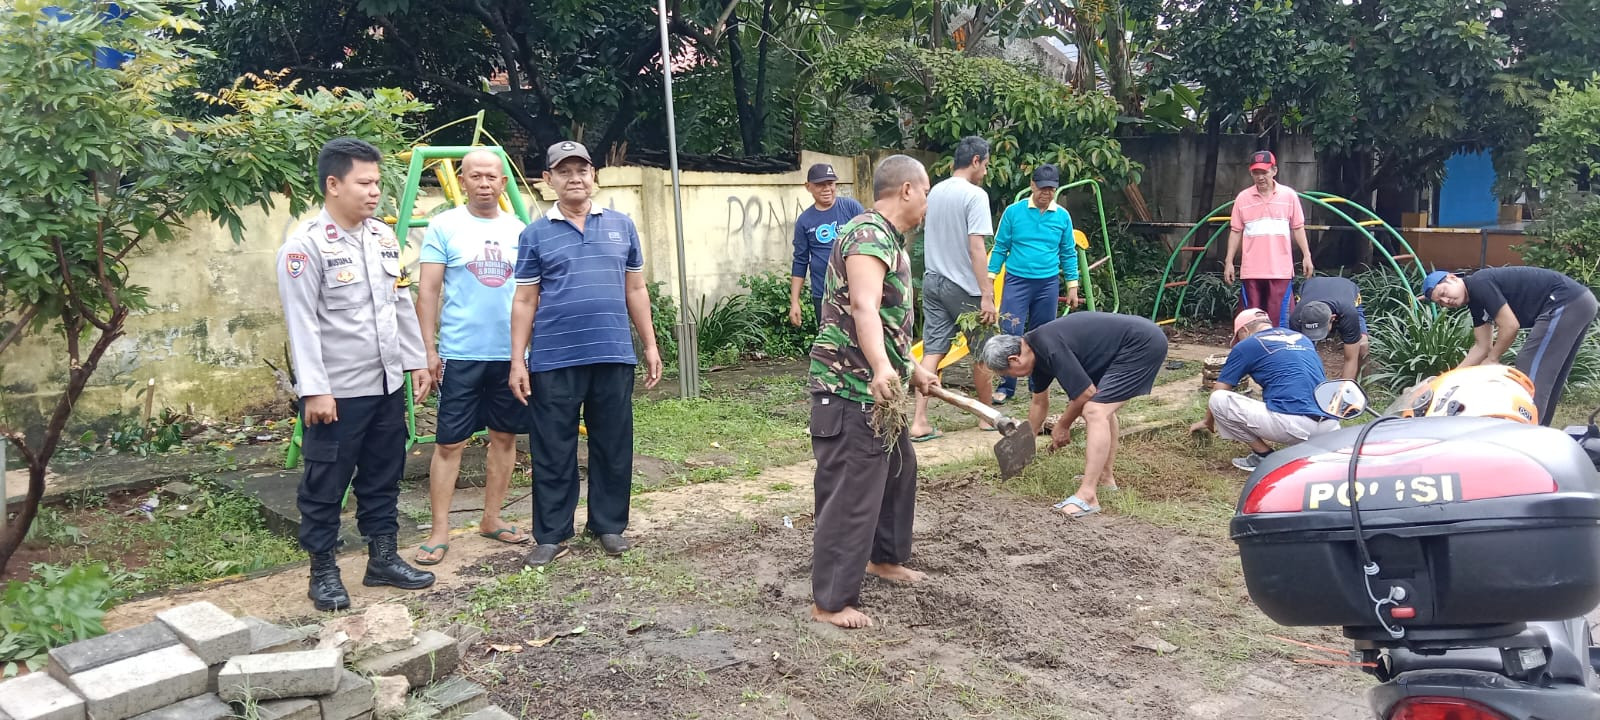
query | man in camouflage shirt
[866, 483]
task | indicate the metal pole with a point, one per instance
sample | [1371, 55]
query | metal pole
[688, 348]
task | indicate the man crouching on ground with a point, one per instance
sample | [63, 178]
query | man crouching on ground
[866, 482]
[1286, 366]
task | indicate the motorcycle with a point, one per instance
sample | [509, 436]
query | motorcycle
[1459, 555]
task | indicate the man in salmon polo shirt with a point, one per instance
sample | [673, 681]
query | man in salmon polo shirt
[1266, 215]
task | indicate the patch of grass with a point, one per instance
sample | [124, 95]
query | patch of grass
[222, 535]
[1188, 371]
[743, 436]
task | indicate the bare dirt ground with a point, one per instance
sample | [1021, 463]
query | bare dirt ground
[1024, 614]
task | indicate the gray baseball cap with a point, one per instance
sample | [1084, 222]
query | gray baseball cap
[563, 150]
[1312, 319]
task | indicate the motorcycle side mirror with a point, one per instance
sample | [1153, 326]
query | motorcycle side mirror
[1342, 399]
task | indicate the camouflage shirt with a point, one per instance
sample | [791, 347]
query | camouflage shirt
[837, 364]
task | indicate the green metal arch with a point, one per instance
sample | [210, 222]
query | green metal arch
[1083, 261]
[1323, 200]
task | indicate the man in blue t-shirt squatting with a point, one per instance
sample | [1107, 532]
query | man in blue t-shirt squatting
[1286, 366]
[814, 231]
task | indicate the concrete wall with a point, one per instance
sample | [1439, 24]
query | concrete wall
[1173, 165]
[214, 314]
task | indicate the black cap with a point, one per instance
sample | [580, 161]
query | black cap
[563, 150]
[821, 172]
[1046, 176]
[1312, 319]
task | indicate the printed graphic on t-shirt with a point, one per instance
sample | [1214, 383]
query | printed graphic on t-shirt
[491, 268]
[826, 232]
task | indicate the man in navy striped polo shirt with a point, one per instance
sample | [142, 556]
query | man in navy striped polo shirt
[580, 279]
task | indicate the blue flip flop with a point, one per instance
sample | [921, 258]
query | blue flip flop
[934, 435]
[1084, 508]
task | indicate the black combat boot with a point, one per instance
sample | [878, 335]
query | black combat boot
[384, 567]
[327, 590]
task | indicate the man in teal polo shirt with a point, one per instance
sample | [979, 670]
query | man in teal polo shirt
[1035, 246]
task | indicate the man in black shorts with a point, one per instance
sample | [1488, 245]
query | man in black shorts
[1102, 360]
[468, 254]
[1555, 310]
[1326, 303]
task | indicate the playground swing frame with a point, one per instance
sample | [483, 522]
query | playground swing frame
[1326, 201]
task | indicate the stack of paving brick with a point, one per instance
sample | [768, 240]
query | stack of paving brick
[197, 662]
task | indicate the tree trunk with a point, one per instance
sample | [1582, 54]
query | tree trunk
[758, 109]
[741, 89]
[1119, 67]
[1208, 170]
[39, 458]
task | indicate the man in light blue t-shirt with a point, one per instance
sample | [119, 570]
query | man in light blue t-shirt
[470, 252]
[814, 231]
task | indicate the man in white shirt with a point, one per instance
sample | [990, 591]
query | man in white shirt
[956, 278]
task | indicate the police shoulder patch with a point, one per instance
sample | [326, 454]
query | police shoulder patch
[295, 264]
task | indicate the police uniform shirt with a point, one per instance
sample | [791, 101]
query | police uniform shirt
[353, 329]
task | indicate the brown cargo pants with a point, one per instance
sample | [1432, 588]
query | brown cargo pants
[866, 499]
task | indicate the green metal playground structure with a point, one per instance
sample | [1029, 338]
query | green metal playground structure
[1085, 267]
[1364, 225]
[441, 161]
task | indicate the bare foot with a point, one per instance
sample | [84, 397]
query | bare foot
[920, 430]
[897, 573]
[984, 425]
[848, 618]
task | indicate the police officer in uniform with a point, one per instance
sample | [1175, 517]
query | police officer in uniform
[353, 333]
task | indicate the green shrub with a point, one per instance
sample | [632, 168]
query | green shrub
[59, 606]
[1208, 299]
[730, 323]
[1567, 238]
[664, 318]
[1384, 293]
[1408, 346]
[769, 302]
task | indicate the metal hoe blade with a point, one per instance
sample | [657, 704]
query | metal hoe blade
[1016, 449]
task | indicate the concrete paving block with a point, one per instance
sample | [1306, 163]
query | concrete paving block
[292, 709]
[388, 629]
[275, 676]
[389, 696]
[203, 707]
[140, 684]
[433, 657]
[493, 712]
[353, 698]
[456, 696]
[266, 637]
[208, 630]
[37, 696]
[69, 660]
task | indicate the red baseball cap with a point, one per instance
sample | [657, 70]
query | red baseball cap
[1262, 160]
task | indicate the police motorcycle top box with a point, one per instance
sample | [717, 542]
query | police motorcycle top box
[1455, 540]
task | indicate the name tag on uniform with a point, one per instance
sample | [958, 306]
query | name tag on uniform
[614, 235]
